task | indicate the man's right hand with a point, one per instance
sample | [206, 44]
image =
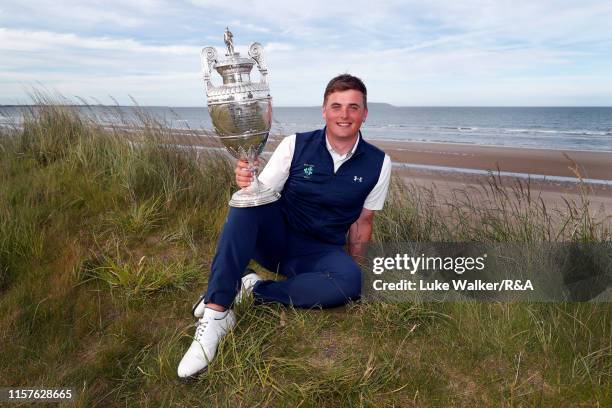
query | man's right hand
[244, 176]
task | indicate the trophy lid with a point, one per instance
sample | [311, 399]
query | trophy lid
[236, 63]
[235, 68]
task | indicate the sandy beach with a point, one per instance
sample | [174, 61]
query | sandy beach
[556, 163]
[591, 165]
[450, 166]
[559, 166]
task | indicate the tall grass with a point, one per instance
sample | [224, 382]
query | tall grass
[106, 237]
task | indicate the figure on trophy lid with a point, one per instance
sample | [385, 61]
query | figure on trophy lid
[229, 41]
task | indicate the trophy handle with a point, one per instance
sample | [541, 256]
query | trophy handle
[256, 52]
[209, 59]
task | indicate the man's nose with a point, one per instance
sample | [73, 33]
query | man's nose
[344, 112]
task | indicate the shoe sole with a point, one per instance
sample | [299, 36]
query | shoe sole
[193, 378]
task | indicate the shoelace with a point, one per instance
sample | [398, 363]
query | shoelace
[200, 327]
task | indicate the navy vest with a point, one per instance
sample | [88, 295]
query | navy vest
[319, 203]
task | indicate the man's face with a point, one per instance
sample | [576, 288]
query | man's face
[344, 113]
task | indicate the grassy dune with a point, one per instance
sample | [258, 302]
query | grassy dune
[105, 244]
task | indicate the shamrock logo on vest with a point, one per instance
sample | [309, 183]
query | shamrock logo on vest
[308, 170]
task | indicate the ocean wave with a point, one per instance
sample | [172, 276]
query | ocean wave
[560, 132]
[455, 127]
[422, 128]
[586, 133]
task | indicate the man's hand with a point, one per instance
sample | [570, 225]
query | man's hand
[360, 234]
[244, 176]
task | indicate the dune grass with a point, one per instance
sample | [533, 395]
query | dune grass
[106, 238]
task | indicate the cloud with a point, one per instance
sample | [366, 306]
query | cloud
[83, 14]
[24, 40]
[249, 26]
[407, 51]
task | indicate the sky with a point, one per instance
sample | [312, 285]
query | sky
[409, 53]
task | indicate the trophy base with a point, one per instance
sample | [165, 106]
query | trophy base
[253, 197]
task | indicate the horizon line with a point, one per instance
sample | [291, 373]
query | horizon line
[318, 106]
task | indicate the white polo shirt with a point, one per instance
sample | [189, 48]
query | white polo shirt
[276, 172]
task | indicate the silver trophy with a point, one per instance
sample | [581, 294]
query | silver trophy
[241, 112]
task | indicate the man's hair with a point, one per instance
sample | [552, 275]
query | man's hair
[345, 82]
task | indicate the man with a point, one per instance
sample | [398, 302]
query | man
[331, 181]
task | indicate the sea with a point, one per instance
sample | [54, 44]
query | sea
[563, 128]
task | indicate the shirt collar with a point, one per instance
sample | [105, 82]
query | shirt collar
[349, 153]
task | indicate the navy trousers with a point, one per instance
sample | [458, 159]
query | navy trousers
[317, 274]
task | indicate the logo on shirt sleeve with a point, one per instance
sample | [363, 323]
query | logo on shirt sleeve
[308, 170]
[357, 179]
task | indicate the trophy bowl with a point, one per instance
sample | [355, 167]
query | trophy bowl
[241, 112]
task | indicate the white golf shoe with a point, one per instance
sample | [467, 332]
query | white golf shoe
[210, 330]
[246, 288]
